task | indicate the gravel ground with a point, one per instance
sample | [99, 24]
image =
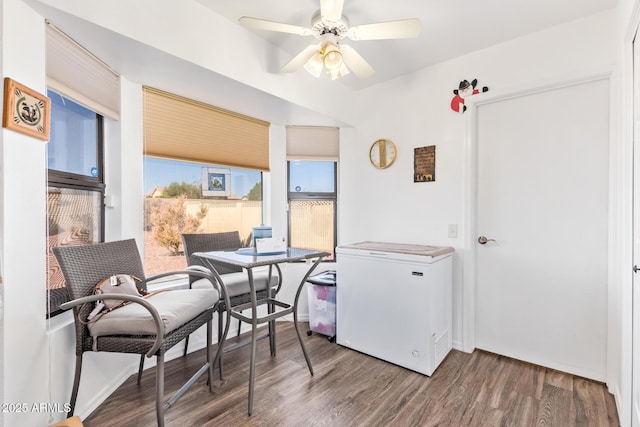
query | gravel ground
[158, 259]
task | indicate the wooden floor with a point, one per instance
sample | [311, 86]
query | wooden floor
[353, 389]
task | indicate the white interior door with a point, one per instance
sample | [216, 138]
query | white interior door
[635, 395]
[542, 194]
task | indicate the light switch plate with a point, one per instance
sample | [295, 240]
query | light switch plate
[452, 230]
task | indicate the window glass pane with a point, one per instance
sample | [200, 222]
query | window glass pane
[311, 177]
[74, 138]
[74, 158]
[175, 204]
[312, 205]
[312, 224]
[74, 219]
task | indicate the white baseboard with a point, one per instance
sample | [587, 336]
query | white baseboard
[101, 395]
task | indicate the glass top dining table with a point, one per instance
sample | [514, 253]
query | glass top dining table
[248, 259]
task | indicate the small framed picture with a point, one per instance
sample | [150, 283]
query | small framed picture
[424, 164]
[26, 110]
[215, 182]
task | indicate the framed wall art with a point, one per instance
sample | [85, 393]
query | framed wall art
[424, 164]
[26, 110]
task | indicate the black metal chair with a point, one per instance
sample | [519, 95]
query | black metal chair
[146, 326]
[236, 281]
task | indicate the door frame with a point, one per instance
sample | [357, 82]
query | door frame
[470, 169]
[628, 113]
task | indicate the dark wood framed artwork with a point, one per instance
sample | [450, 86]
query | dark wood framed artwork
[26, 110]
[424, 164]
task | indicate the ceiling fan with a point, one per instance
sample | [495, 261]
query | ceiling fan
[330, 27]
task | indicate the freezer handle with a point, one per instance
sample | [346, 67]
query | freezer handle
[378, 254]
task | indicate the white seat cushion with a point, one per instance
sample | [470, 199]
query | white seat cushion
[175, 307]
[238, 283]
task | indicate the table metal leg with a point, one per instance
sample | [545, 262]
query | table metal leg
[272, 333]
[220, 339]
[271, 309]
[222, 334]
[254, 328]
[304, 350]
[210, 361]
[295, 312]
[252, 368]
[270, 318]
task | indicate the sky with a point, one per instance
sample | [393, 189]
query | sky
[160, 172]
[312, 177]
[305, 176]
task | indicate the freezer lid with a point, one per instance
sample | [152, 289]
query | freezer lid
[400, 248]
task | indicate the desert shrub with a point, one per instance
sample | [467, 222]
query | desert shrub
[170, 220]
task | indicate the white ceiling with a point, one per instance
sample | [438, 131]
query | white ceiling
[450, 28]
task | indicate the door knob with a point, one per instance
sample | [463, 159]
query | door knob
[635, 268]
[483, 240]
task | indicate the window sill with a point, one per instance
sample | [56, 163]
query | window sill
[60, 321]
[169, 282]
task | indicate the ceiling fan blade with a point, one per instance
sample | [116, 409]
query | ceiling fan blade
[402, 29]
[261, 24]
[331, 10]
[300, 59]
[355, 62]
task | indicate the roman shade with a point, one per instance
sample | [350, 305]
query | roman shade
[179, 128]
[312, 143]
[75, 72]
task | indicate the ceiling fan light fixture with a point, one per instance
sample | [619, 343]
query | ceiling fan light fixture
[340, 72]
[332, 57]
[314, 65]
[329, 26]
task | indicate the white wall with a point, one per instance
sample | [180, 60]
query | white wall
[414, 111]
[620, 295]
[124, 167]
[25, 356]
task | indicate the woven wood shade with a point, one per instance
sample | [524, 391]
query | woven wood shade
[183, 129]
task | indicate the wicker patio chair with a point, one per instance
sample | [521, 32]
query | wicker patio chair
[147, 326]
[236, 281]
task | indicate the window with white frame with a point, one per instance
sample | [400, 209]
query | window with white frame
[83, 91]
[312, 205]
[312, 154]
[75, 195]
[203, 174]
[186, 197]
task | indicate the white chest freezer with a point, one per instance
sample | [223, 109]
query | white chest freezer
[394, 302]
